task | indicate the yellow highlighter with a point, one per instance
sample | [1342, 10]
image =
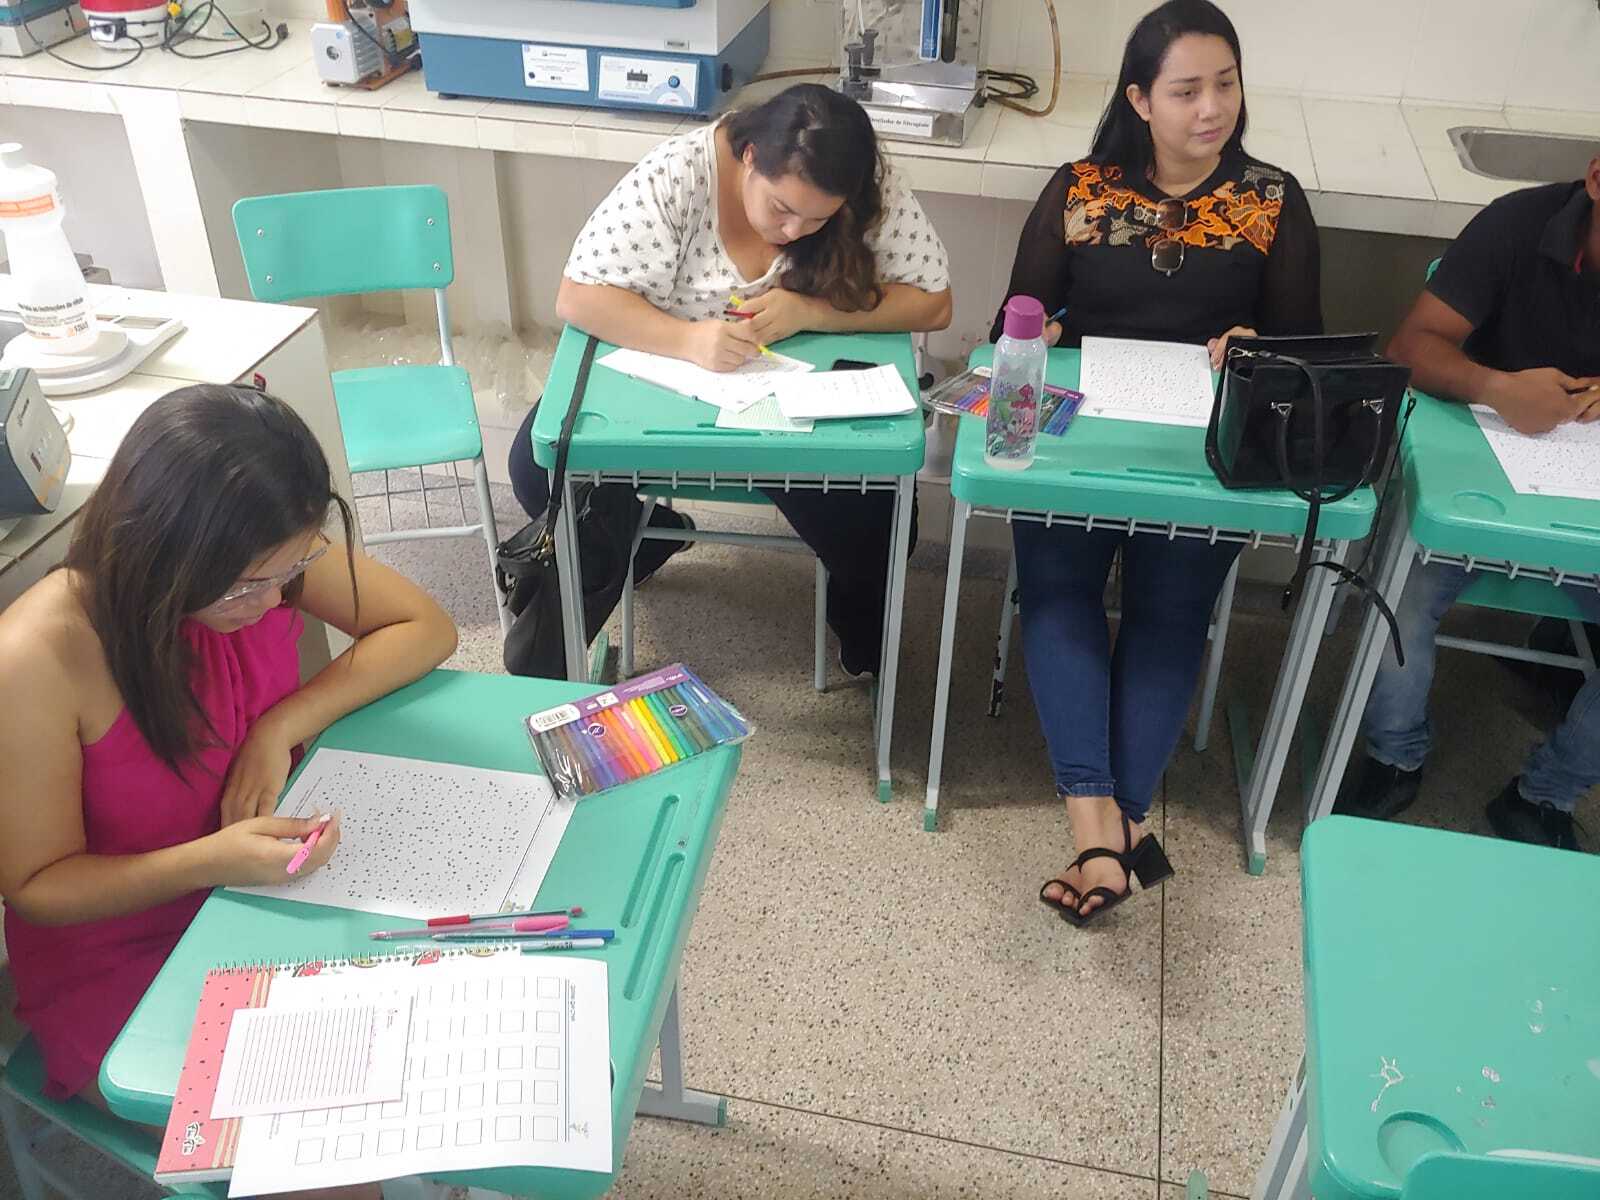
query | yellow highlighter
[732, 310]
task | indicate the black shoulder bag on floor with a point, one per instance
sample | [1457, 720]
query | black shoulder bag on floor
[1314, 415]
[606, 518]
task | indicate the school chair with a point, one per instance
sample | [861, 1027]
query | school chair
[1216, 636]
[349, 241]
[819, 670]
[38, 1178]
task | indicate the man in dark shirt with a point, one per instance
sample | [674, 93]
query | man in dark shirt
[1511, 319]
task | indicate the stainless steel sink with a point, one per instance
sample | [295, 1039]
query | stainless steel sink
[1529, 157]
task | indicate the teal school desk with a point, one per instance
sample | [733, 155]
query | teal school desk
[636, 433]
[1451, 1054]
[1151, 480]
[635, 858]
[1458, 507]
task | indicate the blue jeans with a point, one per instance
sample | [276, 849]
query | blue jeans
[1395, 723]
[1111, 719]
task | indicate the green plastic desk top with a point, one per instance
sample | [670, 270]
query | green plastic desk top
[1465, 970]
[629, 425]
[1462, 502]
[635, 858]
[1134, 469]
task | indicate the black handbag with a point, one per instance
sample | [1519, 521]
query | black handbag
[607, 516]
[1313, 415]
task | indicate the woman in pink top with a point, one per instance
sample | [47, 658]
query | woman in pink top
[164, 707]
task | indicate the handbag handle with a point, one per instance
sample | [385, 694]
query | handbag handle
[1315, 499]
[546, 548]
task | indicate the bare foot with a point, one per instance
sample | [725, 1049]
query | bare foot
[1085, 814]
[1096, 822]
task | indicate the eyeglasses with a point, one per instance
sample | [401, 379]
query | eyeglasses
[1166, 254]
[248, 589]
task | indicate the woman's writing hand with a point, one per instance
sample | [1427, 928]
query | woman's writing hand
[780, 314]
[252, 852]
[719, 345]
[1052, 333]
[1218, 346]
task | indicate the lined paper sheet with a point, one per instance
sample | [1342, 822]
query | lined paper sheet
[880, 392]
[1563, 462]
[421, 838]
[763, 414]
[723, 389]
[1167, 383]
[278, 1061]
[508, 1064]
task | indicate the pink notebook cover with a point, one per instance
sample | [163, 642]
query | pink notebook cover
[196, 1148]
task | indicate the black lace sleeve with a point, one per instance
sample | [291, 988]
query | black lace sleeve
[1291, 288]
[1040, 269]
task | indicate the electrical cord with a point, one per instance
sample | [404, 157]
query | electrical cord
[1011, 99]
[178, 34]
[138, 50]
[794, 74]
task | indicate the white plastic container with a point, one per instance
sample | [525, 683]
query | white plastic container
[1016, 386]
[50, 291]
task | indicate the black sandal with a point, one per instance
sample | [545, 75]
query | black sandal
[1060, 903]
[1147, 862]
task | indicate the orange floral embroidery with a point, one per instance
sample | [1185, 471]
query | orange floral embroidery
[1233, 213]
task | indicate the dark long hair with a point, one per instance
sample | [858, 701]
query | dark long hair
[825, 138]
[209, 479]
[1123, 136]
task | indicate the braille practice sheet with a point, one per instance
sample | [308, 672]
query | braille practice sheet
[1563, 462]
[422, 839]
[1168, 383]
[507, 1064]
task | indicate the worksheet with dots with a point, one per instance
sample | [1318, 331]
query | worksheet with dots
[1563, 462]
[1168, 383]
[424, 839]
[507, 1064]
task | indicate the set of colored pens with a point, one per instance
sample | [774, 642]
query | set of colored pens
[638, 728]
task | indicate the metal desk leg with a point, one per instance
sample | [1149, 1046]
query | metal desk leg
[1221, 618]
[1398, 552]
[947, 641]
[895, 601]
[1285, 1175]
[1272, 752]
[1002, 641]
[672, 1099]
[570, 570]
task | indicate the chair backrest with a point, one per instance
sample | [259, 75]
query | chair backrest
[344, 241]
[1452, 1176]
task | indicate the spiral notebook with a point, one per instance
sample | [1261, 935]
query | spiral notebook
[507, 1064]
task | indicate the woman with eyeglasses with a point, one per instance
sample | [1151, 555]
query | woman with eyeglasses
[1167, 231]
[164, 707]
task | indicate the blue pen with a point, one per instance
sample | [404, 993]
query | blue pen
[1057, 315]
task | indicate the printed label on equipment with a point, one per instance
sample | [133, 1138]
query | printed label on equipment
[662, 82]
[565, 68]
[907, 124]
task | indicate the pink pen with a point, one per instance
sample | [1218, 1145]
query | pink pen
[307, 846]
[546, 924]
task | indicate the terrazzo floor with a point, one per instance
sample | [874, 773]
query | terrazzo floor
[891, 1012]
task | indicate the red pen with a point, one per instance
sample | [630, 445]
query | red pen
[307, 846]
[468, 918]
[546, 924]
[734, 312]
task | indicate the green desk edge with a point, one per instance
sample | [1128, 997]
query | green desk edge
[628, 425]
[635, 858]
[1462, 503]
[1133, 469]
[1492, 1018]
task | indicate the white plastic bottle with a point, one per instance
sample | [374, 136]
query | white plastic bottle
[50, 291]
[1016, 386]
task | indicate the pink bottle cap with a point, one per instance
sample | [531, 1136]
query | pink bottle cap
[1024, 318]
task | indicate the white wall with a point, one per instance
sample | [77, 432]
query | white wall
[1481, 53]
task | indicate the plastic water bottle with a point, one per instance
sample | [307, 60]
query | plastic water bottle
[1016, 386]
[49, 288]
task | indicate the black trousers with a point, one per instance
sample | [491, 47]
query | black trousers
[849, 531]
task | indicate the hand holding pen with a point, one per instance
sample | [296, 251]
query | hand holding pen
[260, 850]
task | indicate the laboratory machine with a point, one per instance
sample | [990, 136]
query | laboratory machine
[686, 56]
[914, 65]
[29, 26]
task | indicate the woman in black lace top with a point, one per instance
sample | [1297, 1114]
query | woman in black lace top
[1167, 231]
